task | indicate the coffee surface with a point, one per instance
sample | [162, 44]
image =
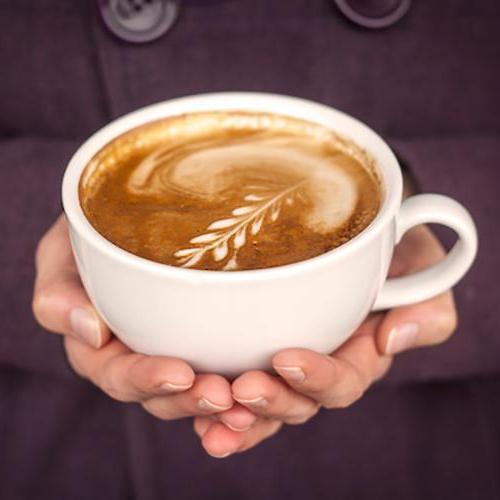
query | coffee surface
[230, 190]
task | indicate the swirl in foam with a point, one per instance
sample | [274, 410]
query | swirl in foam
[230, 190]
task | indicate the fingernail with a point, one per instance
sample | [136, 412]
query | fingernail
[259, 402]
[292, 373]
[224, 455]
[205, 404]
[236, 429]
[170, 387]
[85, 326]
[402, 337]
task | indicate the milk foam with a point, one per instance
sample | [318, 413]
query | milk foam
[229, 190]
[213, 170]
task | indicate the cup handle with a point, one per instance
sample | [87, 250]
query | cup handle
[422, 285]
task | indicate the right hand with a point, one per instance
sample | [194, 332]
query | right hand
[165, 387]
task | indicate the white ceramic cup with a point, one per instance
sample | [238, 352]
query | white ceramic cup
[229, 322]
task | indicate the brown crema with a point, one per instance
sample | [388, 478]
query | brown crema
[230, 190]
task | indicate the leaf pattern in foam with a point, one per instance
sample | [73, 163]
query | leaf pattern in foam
[225, 237]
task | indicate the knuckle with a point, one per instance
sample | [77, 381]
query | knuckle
[330, 403]
[448, 323]
[76, 360]
[157, 410]
[345, 400]
[108, 386]
[101, 380]
[105, 385]
[150, 408]
[38, 308]
[143, 372]
[355, 396]
[116, 394]
[348, 390]
[297, 419]
[367, 379]
[41, 308]
[76, 366]
[382, 370]
[303, 417]
[46, 308]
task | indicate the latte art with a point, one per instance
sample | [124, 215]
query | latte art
[225, 237]
[230, 191]
[271, 174]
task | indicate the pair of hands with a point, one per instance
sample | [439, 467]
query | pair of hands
[233, 417]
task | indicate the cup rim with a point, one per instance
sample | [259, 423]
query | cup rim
[236, 101]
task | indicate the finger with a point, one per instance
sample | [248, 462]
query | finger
[202, 424]
[238, 418]
[210, 394]
[418, 250]
[268, 396]
[426, 323]
[125, 375]
[338, 380]
[220, 442]
[60, 303]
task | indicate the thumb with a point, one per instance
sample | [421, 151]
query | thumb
[426, 323]
[60, 303]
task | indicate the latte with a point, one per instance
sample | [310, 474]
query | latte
[230, 190]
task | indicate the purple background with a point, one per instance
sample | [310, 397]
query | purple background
[429, 85]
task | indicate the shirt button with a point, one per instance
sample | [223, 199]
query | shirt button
[139, 21]
[374, 14]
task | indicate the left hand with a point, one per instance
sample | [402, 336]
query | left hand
[308, 381]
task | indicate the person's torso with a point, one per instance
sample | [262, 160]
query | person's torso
[434, 72]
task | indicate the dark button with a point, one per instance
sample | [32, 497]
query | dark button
[374, 14]
[139, 21]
